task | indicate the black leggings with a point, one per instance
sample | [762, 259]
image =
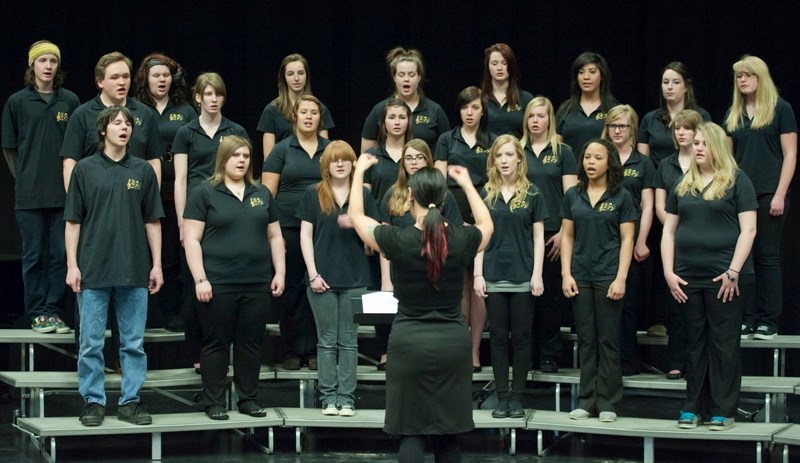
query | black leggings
[510, 313]
[445, 449]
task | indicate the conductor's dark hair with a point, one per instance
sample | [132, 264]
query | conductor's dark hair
[428, 189]
[615, 172]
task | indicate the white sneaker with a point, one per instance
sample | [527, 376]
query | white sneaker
[330, 410]
[347, 410]
[608, 417]
[579, 414]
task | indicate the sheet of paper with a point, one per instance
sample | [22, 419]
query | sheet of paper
[379, 302]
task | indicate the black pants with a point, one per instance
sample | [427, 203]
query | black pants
[445, 449]
[598, 319]
[551, 307]
[298, 331]
[170, 297]
[236, 318]
[714, 373]
[510, 313]
[631, 309]
[764, 306]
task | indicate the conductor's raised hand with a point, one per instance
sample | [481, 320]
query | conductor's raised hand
[365, 161]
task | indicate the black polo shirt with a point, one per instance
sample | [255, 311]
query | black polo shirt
[759, 152]
[452, 148]
[658, 136]
[668, 173]
[428, 121]
[35, 129]
[173, 118]
[382, 175]
[546, 171]
[81, 139]
[504, 119]
[236, 250]
[201, 150]
[273, 121]
[112, 201]
[638, 172]
[509, 255]
[298, 171]
[577, 128]
[595, 253]
[708, 230]
[338, 252]
[450, 211]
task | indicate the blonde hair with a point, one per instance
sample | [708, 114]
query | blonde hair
[688, 118]
[622, 110]
[398, 203]
[766, 95]
[338, 150]
[494, 185]
[227, 148]
[721, 160]
[552, 136]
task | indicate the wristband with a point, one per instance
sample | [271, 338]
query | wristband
[732, 278]
[200, 280]
[735, 271]
[311, 280]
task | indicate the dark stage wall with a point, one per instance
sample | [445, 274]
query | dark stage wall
[346, 42]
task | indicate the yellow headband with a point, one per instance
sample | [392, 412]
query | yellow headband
[42, 49]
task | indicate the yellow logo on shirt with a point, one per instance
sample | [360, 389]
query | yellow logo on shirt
[137, 121]
[600, 116]
[480, 149]
[422, 119]
[255, 202]
[62, 116]
[175, 117]
[551, 159]
[134, 184]
[606, 207]
[631, 173]
[512, 109]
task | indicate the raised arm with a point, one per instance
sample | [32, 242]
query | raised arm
[362, 223]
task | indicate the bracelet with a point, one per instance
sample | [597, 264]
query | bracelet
[732, 278]
[200, 280]
[735, 271]
[311, 280]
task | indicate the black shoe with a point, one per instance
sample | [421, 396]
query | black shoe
[477, 369]
[216, 412]
[291, 362]
[175, 324]
[134, 413]
[312, 363]
[382, 366]
[93, 414]
[515, 409]
[548, 366]
[501, 411]
[252, 408]
[630, 368]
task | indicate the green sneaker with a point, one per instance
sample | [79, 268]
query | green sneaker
[60, 326]
[42, 324]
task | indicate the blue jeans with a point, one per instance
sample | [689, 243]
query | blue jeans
[336, 334]
[44, 269]
[131, 308]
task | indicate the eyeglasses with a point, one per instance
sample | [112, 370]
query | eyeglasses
[620, 127]
[417, 158]
[743, 75]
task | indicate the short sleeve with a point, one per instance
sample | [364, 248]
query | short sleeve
[388, 239]
[73, 207]
[155, 145]
[370, 208]
[308, 210]
[10, 125]
[74, 138]
[539, 210]
[275, 160]
[181, 142]
[451, 211]
[566, 203]
[274, 216]
[644, 129]
[649, 173]
[569, 166]
[628, 212]
[671, 206]
[383, 209]
[745, 194]
[785, 118]
[197, 205]
[327, 119]
[442, 151]
[371, 124]
[442, 122]
[266, 124]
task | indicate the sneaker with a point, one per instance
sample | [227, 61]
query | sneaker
[330, 410]
[765, 332]
[501, 411]
[291, 362]
[42, 324]
[312, 363]
[657, 331]
[515, 409]
[720, 423]
[59, 325]
[134, 413]
[548, 366]
[608, 417]
[347, 410]
[93, 414]
[688, 420]
[747, 332]
[579, 414]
